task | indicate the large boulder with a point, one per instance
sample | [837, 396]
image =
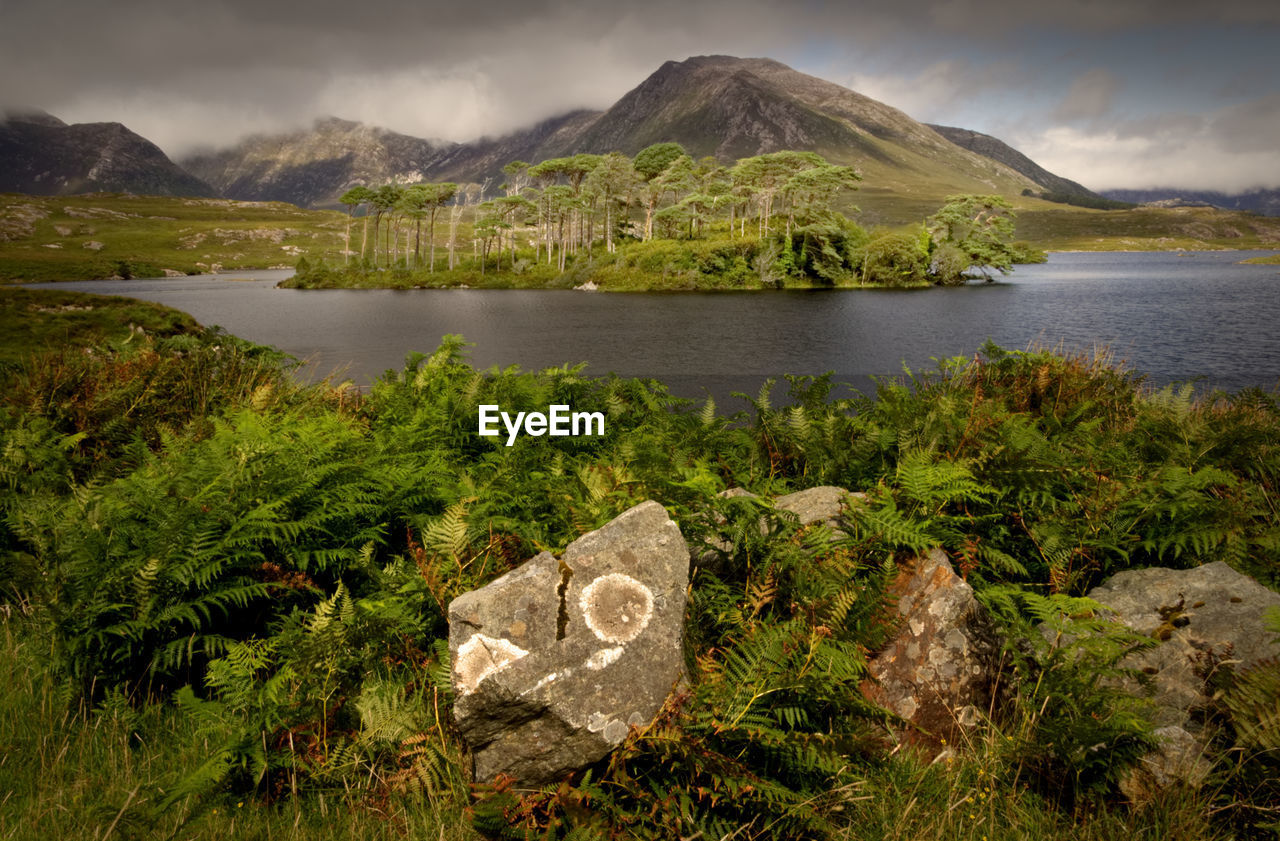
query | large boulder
[554, 662]
[1205, 618]
[1207, 614]
[938, 671]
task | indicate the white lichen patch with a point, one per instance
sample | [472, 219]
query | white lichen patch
[614, 732]
[481, 656]
[549, 679]
[604, 657]
[616, 607]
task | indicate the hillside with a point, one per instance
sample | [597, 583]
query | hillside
[43, 156]
[997, 150]
[712, 105]
[734, 107]
[314, 167]
[104, 235]
[1265, 202]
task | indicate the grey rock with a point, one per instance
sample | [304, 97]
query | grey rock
[1206, 618]
[1210, 612]
[554, 662]
[938, 672]
[1180, 758]
[822, 504]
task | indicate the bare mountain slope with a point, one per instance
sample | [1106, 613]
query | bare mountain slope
[712, 105]
[998, 150]
[316, 166]
[41, 155]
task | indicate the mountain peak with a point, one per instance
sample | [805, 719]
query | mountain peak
[42, 155]
[34, 116]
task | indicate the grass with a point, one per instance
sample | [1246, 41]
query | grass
[1146, 229]
[68, 772]
[1270, 260]
[33, 319]
[113, 235]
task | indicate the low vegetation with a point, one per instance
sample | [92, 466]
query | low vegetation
[113, 235]
[1147, 229]
[224, 593]
[785, 219]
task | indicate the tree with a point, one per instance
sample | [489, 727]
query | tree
[437, 196]
[517, 173]
[353, 198]
[980, 227]
[382, 200]
[613, 177]
[811, 191]
[893, 260]
[767, 175]
[651, 162]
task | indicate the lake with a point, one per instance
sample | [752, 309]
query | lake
[1176, 316]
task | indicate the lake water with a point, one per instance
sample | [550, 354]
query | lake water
[1175, 316]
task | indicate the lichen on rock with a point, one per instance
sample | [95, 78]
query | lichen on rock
[556, 661]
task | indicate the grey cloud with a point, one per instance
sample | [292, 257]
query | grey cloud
[1090, 97]
[188, 74]
[1250, 127]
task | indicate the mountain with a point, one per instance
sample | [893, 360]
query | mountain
[998, 150]
[712, 105]
[316, 166]
[41, 155]
[1263, 202]
[734, 107]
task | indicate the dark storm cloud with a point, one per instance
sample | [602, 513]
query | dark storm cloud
[188, 74]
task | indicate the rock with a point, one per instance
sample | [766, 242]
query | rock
[938, 671]
[823, 504]
[589, 286]
[93, 245]
[555, 661]
[1206, 618]
[1207, 613]
[1179, 759]
[174, 273]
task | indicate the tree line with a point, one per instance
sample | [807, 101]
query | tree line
[565, 206]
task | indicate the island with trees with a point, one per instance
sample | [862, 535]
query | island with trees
[660, 220]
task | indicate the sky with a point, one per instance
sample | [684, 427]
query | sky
[1110, 93]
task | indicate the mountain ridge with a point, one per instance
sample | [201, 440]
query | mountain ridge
[44, 156]
[712, 105]
[1262, 201]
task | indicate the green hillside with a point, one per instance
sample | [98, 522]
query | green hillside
[106, 235]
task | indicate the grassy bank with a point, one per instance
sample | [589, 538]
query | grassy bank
[33, 322]
[111, 235]
[1146, 229]
[224, 593]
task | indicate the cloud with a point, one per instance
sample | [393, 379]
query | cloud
[994, 17]
[191, 74]
[1091, 96]
[1226, 150]
[938, 89]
